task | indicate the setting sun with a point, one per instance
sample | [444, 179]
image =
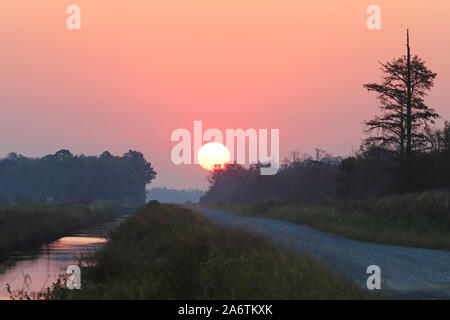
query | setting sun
[213, 154]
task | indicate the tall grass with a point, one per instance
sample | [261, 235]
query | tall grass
[25, 225]
[416, 220]
[167, 252]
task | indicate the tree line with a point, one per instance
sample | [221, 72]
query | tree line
[166, 195]
[104, 177]
[402, 152]
[370, 173]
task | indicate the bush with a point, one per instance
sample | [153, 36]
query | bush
[269, 204]
[153, 203]
[273, 203]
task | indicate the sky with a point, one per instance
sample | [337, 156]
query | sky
[138, 70]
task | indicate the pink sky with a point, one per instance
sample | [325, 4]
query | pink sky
[137, 70]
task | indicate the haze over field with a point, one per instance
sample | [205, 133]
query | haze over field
[135, 73]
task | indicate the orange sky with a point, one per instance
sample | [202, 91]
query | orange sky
[139, 69]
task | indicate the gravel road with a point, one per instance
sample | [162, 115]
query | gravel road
[407, 273]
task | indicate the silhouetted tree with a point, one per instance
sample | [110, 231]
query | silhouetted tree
[144, 171]
[401, 127]
[438, 139]
[301, 179]
[106, 177]
[406, 82]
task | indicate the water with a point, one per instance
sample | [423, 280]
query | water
[39, 268]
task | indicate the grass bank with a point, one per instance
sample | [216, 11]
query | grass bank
[24, 225]
[415, 220]
[168, 252]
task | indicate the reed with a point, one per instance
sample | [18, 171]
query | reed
[168, 252]
[22, 226]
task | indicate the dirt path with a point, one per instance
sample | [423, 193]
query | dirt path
[405, 272]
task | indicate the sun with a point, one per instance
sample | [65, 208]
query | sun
[213, 155]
